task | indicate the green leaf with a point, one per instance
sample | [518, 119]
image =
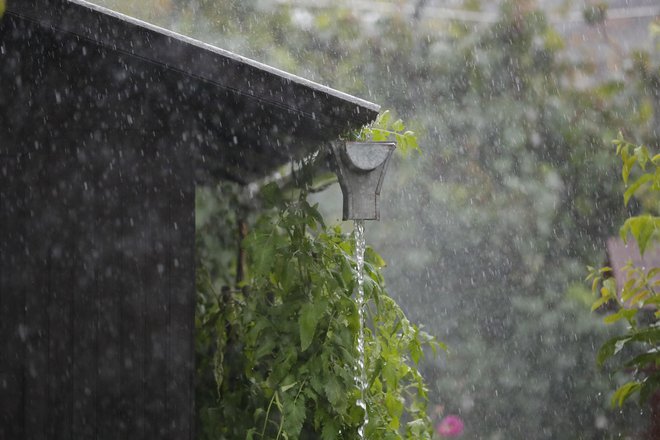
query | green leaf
[330, 430]
[650, 359]
[379, 135]
[265, 347]
[627, 167]
[262, 247]
[394, 406]
[610, 348]
[634, 187]
[440, 344]
[621, 314]
[647, 227]
[294, 416]
[410, 142]
[398, 125]
[599, 302]
[614, 345]
[642, 155]
[641, 228]
[653, 272]
[371, 256]
[333, 390]
[383, 120]
[313, 213]
[286, 388]
[624, 392]
[654, 300]
[609, 288]
[390, 371]
[309, 318]
[418, 428]
[272, 194]
[401, 142]
[415, 349]
[649, 335]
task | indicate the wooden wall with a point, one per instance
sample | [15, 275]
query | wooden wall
[96, 292]
[96, 243]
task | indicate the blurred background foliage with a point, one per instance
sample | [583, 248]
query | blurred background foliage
[487, 234]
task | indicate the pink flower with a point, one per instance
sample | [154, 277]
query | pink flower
[450, 426]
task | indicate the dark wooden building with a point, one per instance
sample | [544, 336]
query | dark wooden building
[106, 126]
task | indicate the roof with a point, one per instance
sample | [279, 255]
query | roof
[246, 117]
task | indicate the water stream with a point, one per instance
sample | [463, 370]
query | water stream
[360, 369]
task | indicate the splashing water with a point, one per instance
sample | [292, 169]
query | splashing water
[360, 369]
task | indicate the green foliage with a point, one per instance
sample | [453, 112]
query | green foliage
[383, 129]
[505, 217]
[640, 295]
[219, 210]
[2, 7]
[284, 347]
[510, 200]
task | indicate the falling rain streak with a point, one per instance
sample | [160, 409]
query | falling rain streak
[109, 128]
[360, 368]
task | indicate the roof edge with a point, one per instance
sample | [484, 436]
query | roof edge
[44, 16]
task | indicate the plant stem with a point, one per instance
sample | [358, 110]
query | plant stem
[263, 431]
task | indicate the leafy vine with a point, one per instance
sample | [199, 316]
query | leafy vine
[284, 346]
[384, 129]
[638, 302]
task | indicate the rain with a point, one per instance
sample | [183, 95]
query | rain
[187, 188]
